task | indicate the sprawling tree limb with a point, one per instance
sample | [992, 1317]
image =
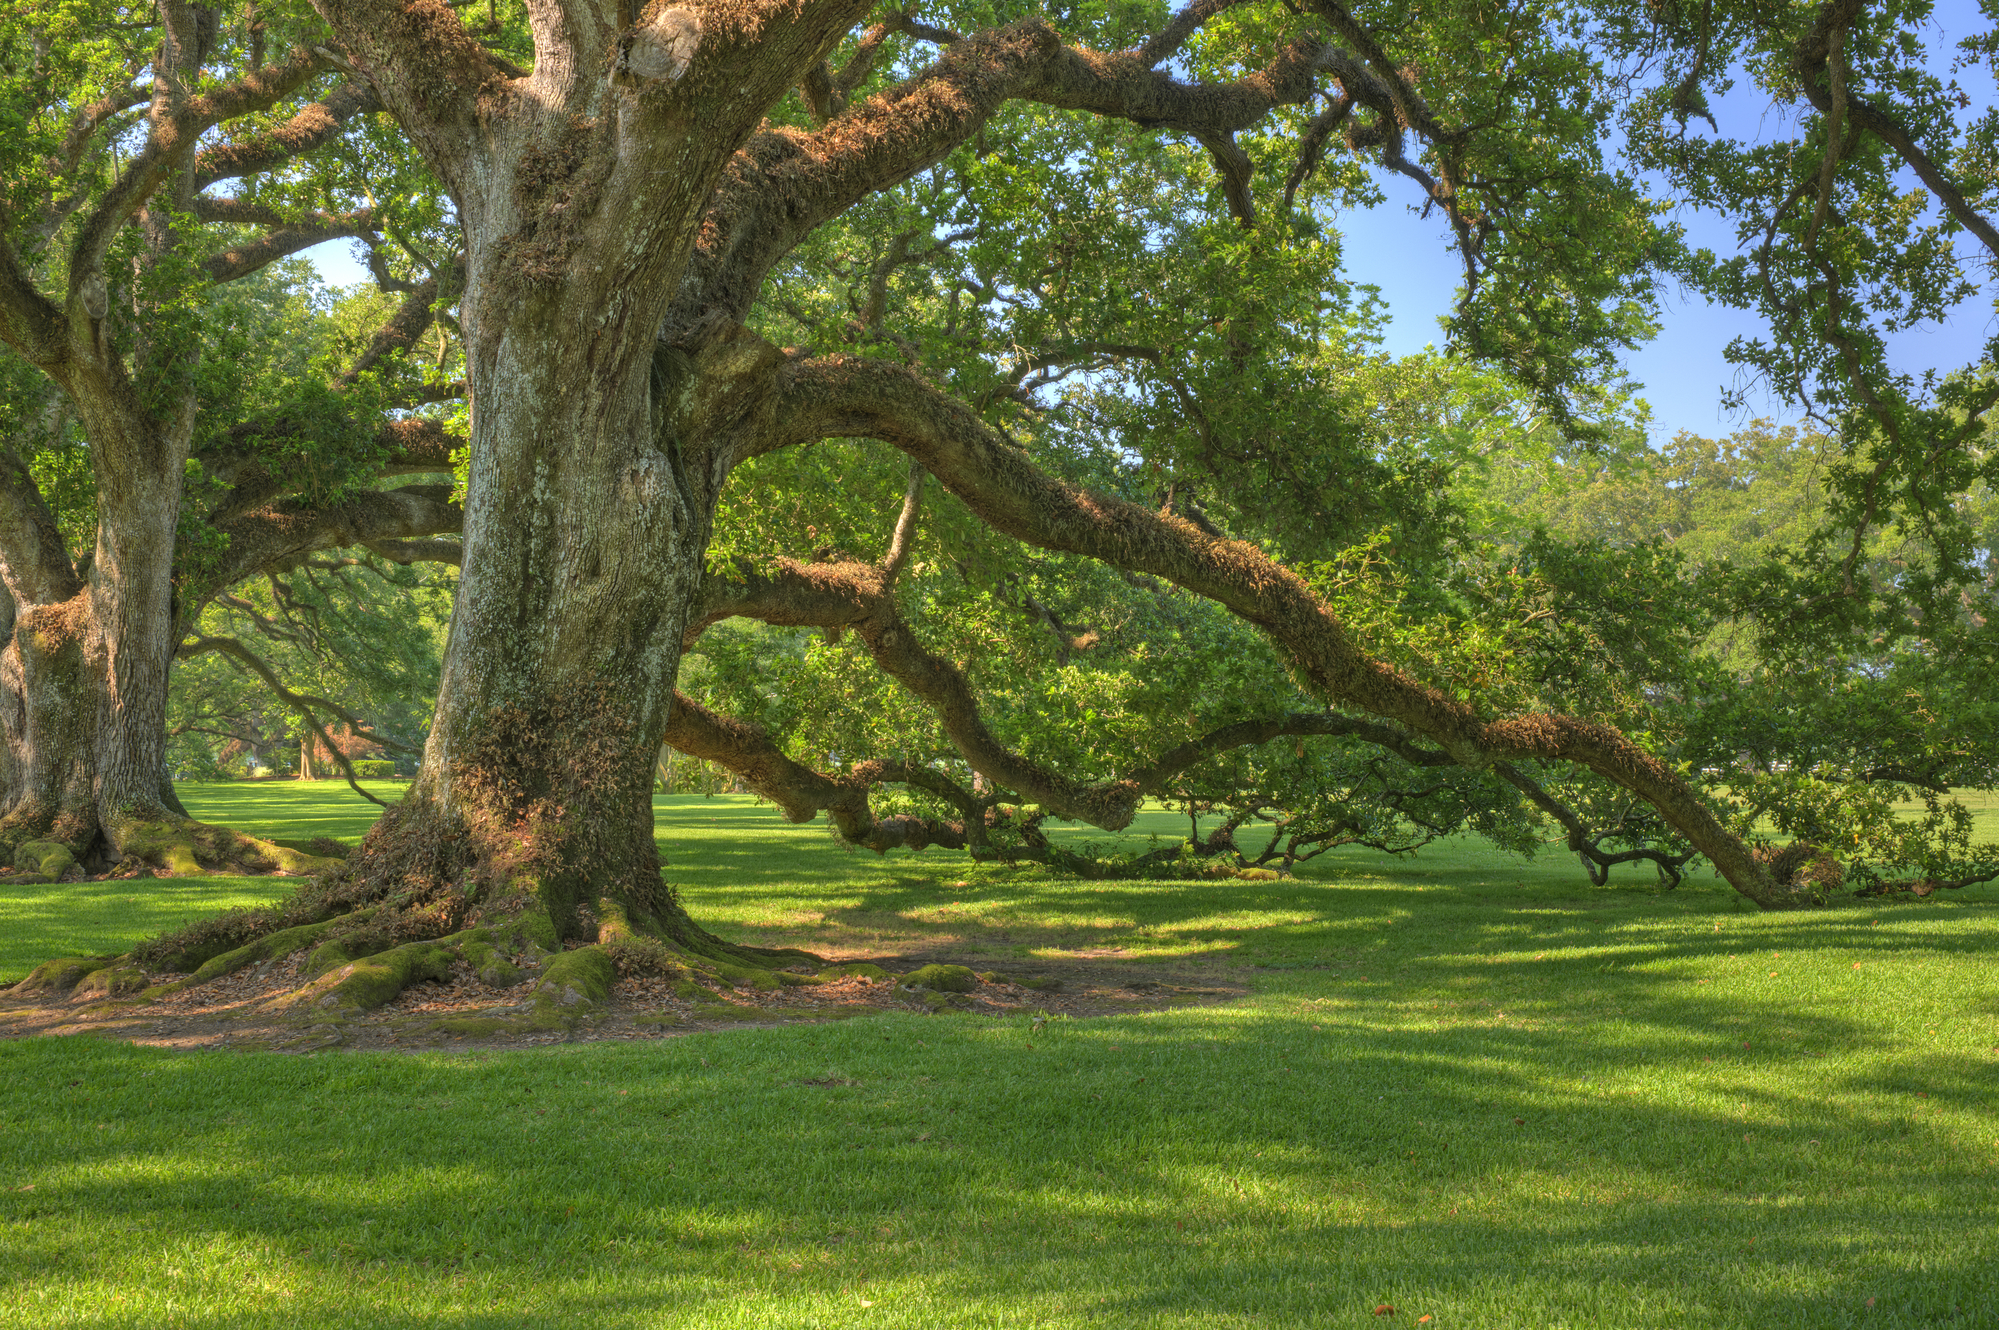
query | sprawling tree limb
[30, 322]
[311, 127]
[1817, 61]
[417, 446]
[171, 138]
[413, 446]
[783, 184]
[844, 396]
[802, 792]
[410, 321]
[241, 260]
[282, 533]
[858, 596]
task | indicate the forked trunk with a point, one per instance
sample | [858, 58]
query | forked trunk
[596, 456]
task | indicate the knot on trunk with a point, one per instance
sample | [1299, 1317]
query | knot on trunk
[662, 49]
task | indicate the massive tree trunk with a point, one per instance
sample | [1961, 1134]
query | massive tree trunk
[583, 551]
[597, 453]
[128, 639]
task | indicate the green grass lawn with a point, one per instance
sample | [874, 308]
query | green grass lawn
[1473, 1089]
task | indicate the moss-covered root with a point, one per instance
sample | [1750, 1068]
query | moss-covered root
[43, 860]
[60, 975]
[274, 946]
[117, 980]
[373, 981]
[640, 943]
[573, 985]
[181, 847]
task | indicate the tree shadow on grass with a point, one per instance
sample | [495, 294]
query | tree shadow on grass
[1340, 1145]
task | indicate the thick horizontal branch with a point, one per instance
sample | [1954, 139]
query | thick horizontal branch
[412, 446]
[417, 446]
[280, 534]
[240, 261]
[313, 126]
[802, 792]
[784, 183]
[852, 397]
[858, 596]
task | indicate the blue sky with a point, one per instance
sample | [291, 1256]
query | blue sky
[1682, 368]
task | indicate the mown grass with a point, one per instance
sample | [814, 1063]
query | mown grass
[1476, 1091]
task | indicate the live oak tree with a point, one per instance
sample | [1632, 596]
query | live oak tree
[156, 163]
[701, 239]
[628, 201]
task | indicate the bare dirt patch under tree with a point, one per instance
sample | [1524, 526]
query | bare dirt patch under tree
[247, 1009]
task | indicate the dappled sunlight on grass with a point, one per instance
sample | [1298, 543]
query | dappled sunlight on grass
[1470, 1088]
[38, 921]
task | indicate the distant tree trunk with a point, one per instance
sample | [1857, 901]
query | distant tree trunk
[49, 711]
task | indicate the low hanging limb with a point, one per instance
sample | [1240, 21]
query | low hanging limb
[1595, 861]
[856, 596]
[800, 792]
[851, 397]
[302, 703]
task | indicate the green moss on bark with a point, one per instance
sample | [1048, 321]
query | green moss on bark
[62, 974]
[573, 984]
[943, 978]
[859, 969]
[192, 849]
[365, 984]
[1044, 985]
[50, 859]
[273, 946]
[475, 1027]
[112, 981]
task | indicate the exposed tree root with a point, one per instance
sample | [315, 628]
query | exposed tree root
[359, 957]
[155, 842]
[183, 847]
